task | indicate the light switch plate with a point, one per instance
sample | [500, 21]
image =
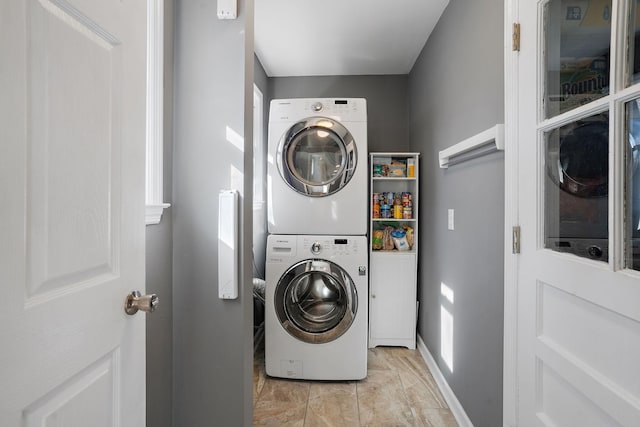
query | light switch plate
[227, 9]
[450, 221]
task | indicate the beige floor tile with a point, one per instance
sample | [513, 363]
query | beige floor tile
[437, 417]
[408, 362]
[398, 391]
[279, 414]
[332, 405]
[422, 392]
[259, 378]
[382, 401]
[259, 374]
[281, 403]
[378, 359]
[279, 390]
[418, 383]
[400, 352]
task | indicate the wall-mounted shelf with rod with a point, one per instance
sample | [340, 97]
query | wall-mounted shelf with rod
[485, 142]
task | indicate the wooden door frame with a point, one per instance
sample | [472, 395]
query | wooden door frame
[511, 219]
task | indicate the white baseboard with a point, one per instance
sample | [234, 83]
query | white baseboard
[451, 399]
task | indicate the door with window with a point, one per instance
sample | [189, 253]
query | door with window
[578, 297]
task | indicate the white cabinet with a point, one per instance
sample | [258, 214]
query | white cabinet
[393, 246]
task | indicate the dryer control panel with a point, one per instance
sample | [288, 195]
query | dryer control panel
[341, 109]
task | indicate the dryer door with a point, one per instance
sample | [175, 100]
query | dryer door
[317, 156]
[316, 301]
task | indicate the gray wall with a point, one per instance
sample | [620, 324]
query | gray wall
[387, 106]
[213, 93]
[456, 91]
[158, 265]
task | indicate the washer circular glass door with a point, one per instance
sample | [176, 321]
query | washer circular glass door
[316, 301]
[317, 156]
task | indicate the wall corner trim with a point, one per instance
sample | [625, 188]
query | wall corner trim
[453, 402]
[153, 213]
[155, 111]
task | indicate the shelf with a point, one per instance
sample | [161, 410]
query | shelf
[392, 252]
[393, 219]
[493, 138]
[393, 273]
[394, 178]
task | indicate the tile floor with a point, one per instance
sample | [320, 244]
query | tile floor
[399, 391]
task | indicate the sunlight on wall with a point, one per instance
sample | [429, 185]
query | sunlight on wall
[446, 326]
[227, 222]
[235, 139]
[446, 292]
[236, 177]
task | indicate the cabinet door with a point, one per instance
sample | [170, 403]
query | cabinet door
[393, 299]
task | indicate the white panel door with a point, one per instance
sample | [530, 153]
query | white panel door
[578, 323]
[72, 120]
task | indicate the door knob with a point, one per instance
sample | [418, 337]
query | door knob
[135, 301]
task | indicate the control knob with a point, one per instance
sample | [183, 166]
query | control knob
[594, 252]
[315, 248]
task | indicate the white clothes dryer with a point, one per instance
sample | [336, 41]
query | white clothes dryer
[316, 307]
[317, 166]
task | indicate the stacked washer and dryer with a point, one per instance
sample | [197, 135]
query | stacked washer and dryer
[316, 293]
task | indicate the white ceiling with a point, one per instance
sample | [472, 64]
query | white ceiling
[342, 37]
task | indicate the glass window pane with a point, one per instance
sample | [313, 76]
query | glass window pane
[632, 184]
[577, 52]
[576, 187]
[633, 50]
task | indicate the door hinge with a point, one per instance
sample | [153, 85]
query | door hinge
[515, 240]
[516, 37]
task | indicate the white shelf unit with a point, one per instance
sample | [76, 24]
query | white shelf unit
[393, 274]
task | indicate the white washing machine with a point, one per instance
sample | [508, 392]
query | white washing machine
[317, 166]
[316, 308]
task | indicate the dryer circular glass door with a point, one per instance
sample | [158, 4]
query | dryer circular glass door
[317, 156]
[316, 301]
[578, 158]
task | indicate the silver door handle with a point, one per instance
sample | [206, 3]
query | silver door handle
[135, 301]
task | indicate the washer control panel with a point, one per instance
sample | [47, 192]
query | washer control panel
[318, 245]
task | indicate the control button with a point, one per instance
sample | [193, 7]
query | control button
[594, 251]
[315, 248]
[316, 106]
